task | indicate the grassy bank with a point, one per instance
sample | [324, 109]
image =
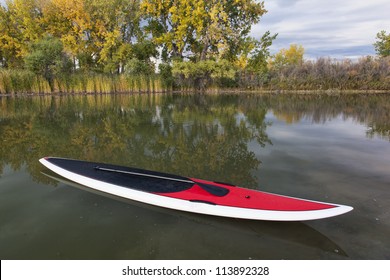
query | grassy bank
[25, 82]
[368, 75]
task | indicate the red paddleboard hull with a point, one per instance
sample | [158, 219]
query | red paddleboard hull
[190, 194]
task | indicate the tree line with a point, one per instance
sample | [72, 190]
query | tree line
[113, 45]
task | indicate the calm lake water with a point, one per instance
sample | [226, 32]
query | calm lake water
[327, 148]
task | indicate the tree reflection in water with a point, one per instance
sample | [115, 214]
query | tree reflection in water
[205, 136]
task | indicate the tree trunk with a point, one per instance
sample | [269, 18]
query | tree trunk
[203, 54]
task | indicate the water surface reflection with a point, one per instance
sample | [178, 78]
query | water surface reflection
[331, 148]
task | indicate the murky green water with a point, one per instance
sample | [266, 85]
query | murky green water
[328, 148]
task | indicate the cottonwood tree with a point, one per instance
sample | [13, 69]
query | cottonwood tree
[201, 29]
[47, 58]
[382, 45]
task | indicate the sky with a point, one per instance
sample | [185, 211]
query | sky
[328, 28]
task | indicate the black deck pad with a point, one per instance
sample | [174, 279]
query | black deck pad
[214, 190]
[118, 176]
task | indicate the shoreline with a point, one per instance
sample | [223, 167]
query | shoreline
[328, 92]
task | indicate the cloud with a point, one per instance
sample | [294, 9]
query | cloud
[285, 3]
[325, 28]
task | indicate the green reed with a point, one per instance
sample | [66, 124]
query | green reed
[26, 82]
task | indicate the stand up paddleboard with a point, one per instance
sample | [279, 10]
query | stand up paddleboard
[190, 194]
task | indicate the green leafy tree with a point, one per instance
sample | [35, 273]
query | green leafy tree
[114, 26]
[11, 37]
[285, 57]
[136, 67]
[97, 34]
[252, 61]
[139, 62]
[382, 45]
[201, 74]
[8, 44]
[259, 54]
[201, 29]
[165, 70]
[47, 58]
